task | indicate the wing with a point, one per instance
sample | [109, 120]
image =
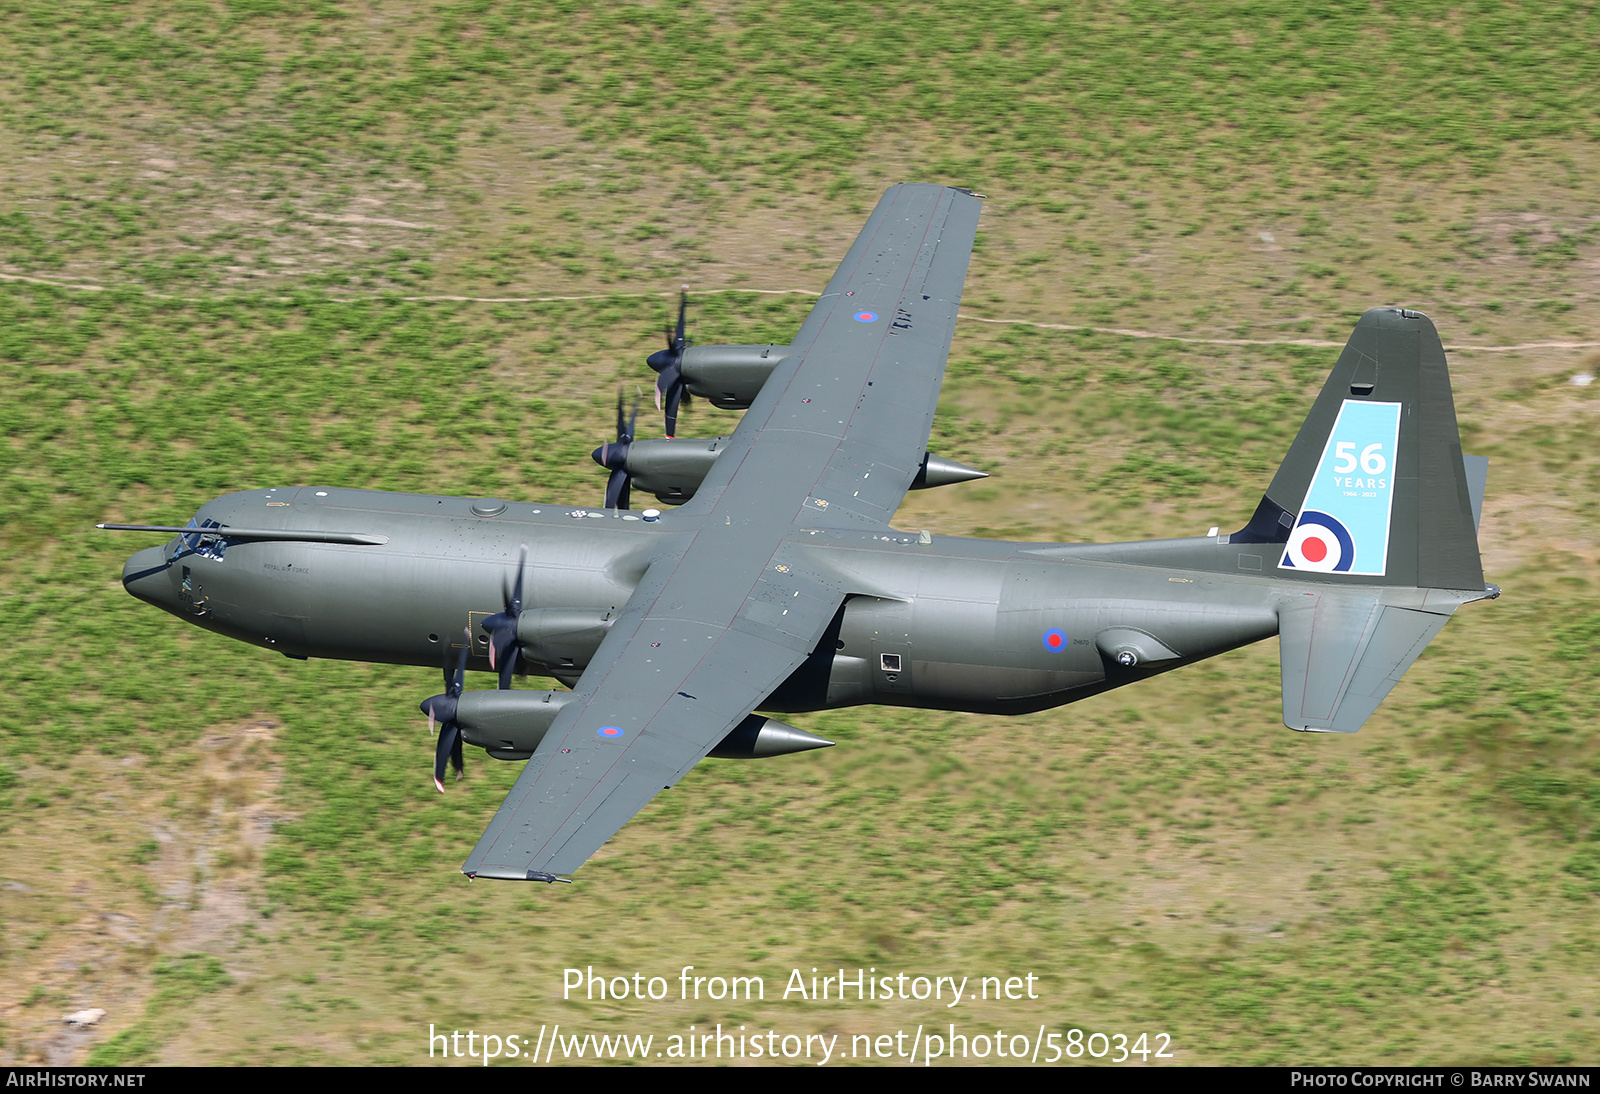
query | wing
[729, 606]
[713, 628]
[853, 405]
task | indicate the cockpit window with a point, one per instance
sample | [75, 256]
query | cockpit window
[199, 543]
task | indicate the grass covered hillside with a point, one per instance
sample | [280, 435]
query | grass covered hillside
[418, 247]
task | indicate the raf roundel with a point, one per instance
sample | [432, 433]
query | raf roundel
[866, 317]
[610, 731]
[1055, 640]
[1319, 543]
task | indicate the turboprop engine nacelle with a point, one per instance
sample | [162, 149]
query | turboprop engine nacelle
[510, 724]
[673, 470]
[729, 376]
[562, 638]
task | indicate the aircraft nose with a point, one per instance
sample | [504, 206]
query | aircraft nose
[145, 576]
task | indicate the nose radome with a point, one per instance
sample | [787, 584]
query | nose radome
[145, 576]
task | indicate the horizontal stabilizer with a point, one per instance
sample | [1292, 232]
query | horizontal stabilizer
[1341, 654]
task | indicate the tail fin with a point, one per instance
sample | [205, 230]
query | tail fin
[1374, 490]
[1377, 512]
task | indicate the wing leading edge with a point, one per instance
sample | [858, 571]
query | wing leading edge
[729, 606]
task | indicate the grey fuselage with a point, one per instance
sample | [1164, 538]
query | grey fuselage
[929, 621]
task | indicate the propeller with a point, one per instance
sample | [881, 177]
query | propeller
[668, 364]
[502, 627]
[614, 457]
[443, 709]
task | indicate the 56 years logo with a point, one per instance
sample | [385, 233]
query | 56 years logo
[1343, 525]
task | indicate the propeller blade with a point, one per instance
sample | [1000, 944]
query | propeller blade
[617, 490]
[502, 626]
[455, 683]
[448, 750]
[443, 709]
[515, 604]
[674, 397]
[671, 391]
[502, 630]
[508, 664]
[613, 456]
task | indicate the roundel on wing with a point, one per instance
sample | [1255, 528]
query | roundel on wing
[1320, 543]
[866, 317]
[609, 731]
[1055, 640]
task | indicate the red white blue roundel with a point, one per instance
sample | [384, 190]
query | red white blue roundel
[610, 731]
[1320, 543]
[1055, 640]
[866, 317]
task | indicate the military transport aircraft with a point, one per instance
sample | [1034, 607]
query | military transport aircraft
[780, 585]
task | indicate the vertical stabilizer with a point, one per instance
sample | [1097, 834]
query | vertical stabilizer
[1374, 490]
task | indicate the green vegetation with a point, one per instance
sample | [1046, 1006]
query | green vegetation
[178, 983]
[259, 187]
